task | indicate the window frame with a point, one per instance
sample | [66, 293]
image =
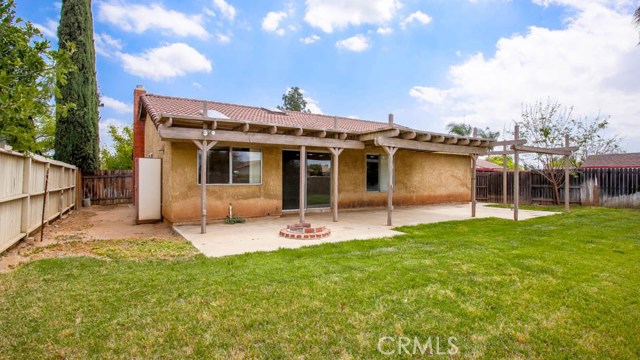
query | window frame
[393, 179]
[230, 183]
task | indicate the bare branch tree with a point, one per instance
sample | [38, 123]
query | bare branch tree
[544, 124]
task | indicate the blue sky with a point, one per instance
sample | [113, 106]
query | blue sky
[428, 62]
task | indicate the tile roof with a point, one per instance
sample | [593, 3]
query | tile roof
[613, 161]
[484, 164]
[158, 106]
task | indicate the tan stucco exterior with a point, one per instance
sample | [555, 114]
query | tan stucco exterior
[421, 178]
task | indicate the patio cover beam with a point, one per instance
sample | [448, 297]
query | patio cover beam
[426, 146]
[565, 151]
[188, 134]
[376, 134]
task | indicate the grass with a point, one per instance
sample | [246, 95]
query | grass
[559, 287]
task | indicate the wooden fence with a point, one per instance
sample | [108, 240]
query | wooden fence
[611, 187]
[607, 187]
[107, 187]
[23, 194]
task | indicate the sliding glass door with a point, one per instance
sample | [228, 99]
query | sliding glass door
[318, 190]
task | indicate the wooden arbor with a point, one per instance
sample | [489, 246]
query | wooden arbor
[517, 147]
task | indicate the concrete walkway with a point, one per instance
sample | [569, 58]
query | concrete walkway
[262, 234]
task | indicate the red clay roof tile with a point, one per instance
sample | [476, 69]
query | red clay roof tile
[157, 106]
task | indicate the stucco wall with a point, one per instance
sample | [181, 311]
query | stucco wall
[248, 200]
[421, 178]
[158, 149]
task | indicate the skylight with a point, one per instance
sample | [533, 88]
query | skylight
[216, 114]
[275, 110]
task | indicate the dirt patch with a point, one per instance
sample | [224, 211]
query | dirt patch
[72, 235]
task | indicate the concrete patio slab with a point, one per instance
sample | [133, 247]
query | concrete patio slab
[262, 234]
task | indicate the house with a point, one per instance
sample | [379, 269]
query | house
[253, 160]
[612, 161]
[487, 166]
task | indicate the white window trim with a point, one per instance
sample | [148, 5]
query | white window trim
[393, 179]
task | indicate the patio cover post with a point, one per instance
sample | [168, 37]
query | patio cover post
[335, 153]
[474, 160]
[516, 176]
[204, 148]
[504, 177]
[303, 180]
[567, 180]
[390, 150]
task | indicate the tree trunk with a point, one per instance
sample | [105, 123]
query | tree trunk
[556, 192]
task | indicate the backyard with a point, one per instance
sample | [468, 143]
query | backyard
[562, 286]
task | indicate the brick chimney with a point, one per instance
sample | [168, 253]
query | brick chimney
[138, 134]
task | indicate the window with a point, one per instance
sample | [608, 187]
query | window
[377, 173]
[233, 166]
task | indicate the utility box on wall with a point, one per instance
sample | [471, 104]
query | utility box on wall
[148, 190]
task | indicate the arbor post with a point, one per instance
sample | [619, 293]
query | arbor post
[567, 179]
[516, 176]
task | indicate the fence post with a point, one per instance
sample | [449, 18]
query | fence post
[26, 201]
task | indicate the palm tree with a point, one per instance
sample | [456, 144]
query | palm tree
[636, 17]
[488, 134]
[460, 129]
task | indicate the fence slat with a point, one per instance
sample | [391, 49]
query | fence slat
[22, 194]
[617, 187]
[107, 187]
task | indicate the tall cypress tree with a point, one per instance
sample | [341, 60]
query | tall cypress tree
[77, 133]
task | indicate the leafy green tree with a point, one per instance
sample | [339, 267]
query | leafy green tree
[293, 100]
[121, 157]
[29, 71]
[498, 161]
[545, 124]
[77, 133]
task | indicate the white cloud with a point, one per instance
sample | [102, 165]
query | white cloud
[106, 45]
[271, 22]
[50, 29]
[310, 39]
[329, 15]
[356, 43]
[590, 64]
[105, 138]
[223, 38]
[429, 94]
[227, 10]
[166, 62]
[196, 85]
[139, 18]
[115, 105]
[384, 30]
[417, 16]
[313, 105]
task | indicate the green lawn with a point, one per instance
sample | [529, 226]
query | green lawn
[560, 287]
